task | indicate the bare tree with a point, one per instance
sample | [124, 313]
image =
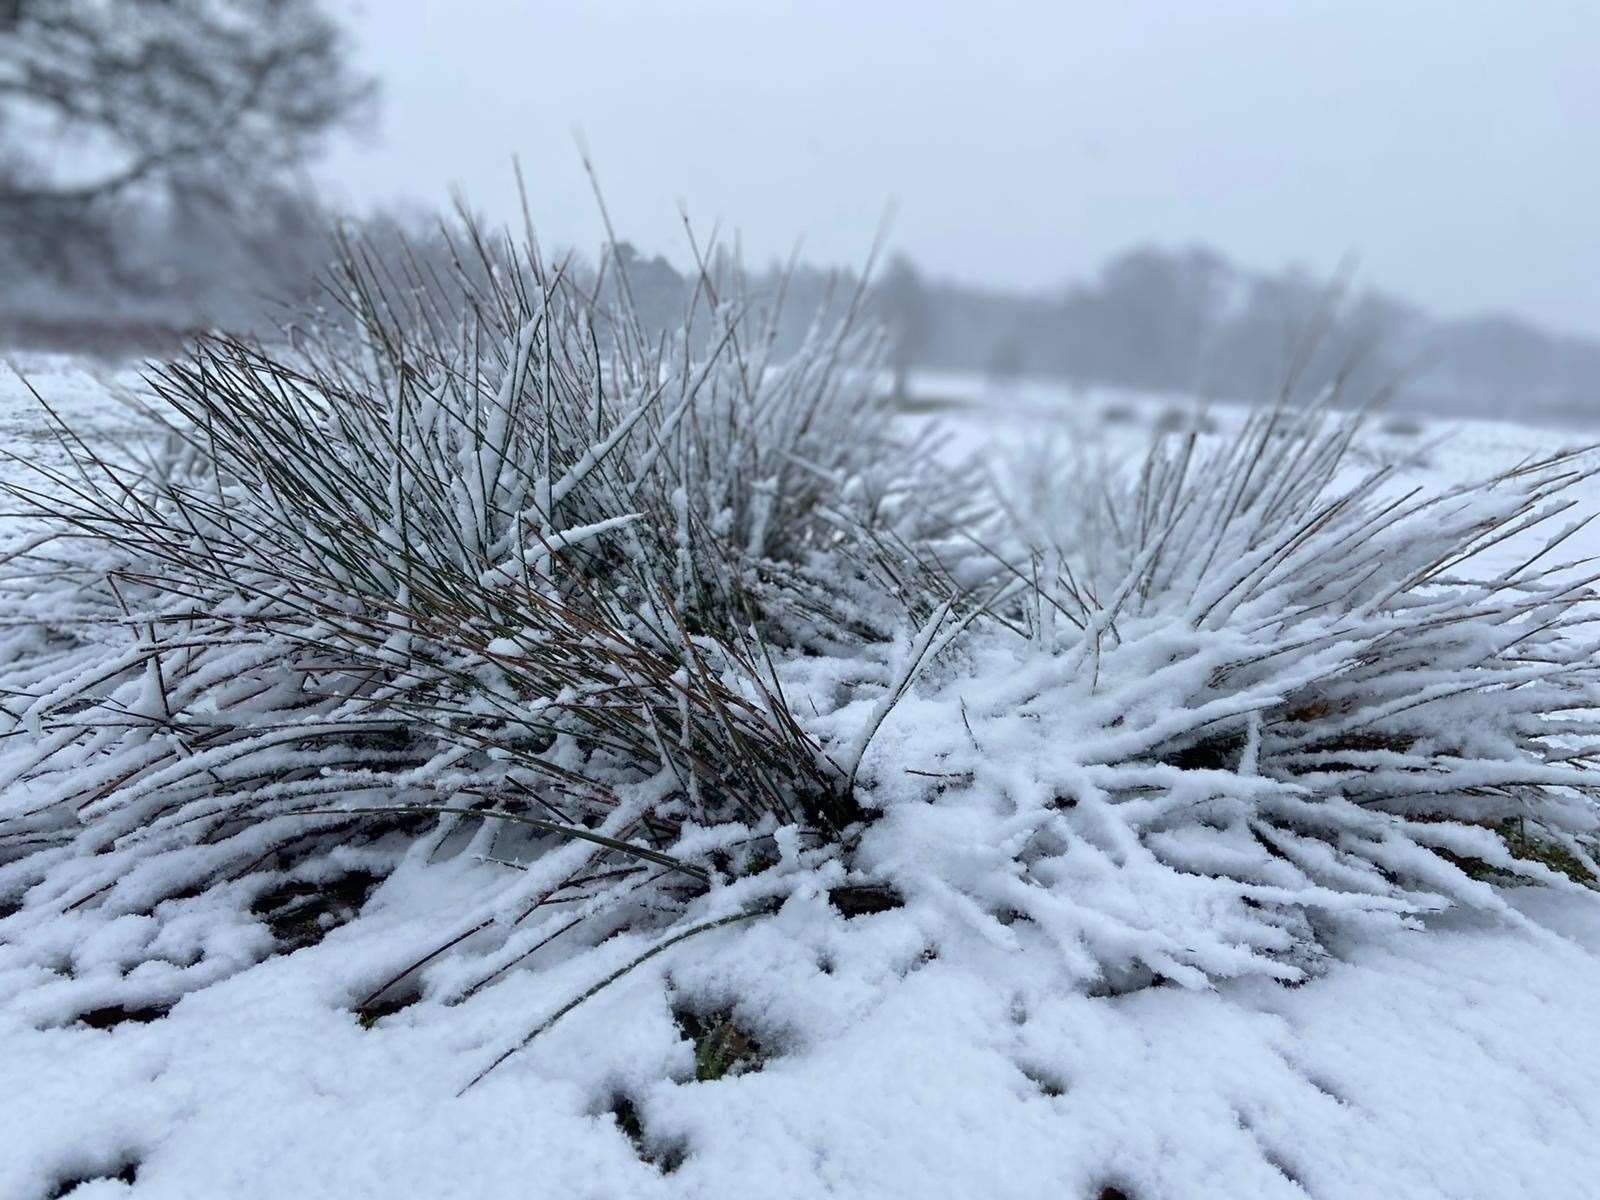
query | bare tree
[159, 96]
[903, 304]
[1008, 358]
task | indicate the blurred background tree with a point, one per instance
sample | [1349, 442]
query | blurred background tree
[146, 142]
[904, 309]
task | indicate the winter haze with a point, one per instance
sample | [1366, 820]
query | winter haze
[1002, 602]
[1452, 148]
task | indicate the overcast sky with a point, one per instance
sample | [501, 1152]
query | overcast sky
[1450, 144]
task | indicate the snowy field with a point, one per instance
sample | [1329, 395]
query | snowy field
[899, 1056]
[82, 392]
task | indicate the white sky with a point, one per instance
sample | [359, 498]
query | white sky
[1450, 144]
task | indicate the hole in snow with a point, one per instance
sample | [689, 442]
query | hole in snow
[112, 1015]
[1124, 981]
[301, 913]
[392, 999]
[665, 1156]
[722, 1048]
[1208, 754]
[860, 900]
[1050, 1083]
[1112, 1192]
[126, 1172]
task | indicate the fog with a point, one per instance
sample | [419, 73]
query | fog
[1160, 197]
[1449, 147]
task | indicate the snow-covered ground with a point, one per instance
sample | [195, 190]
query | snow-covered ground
[899, 1056]
[83, 393]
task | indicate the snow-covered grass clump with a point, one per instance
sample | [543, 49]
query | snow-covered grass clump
[500, 552]
[629, 646]
[1251, 699]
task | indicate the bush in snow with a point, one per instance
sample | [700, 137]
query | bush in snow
[1258, 698]
[506, 578]
[502, 550]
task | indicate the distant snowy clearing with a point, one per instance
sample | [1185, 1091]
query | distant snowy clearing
[909, 1052]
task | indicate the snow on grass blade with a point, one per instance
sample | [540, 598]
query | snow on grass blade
[673, 620]
[660, 947]
[1290, 699]
[482, 541]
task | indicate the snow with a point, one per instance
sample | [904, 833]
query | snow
[83, 393]
[926, 1050]
[1458, 1062]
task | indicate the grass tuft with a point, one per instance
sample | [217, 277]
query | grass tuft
[486, 566]
[489, 572]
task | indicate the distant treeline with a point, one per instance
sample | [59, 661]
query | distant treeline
[1169, 320]
[1189, 321]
